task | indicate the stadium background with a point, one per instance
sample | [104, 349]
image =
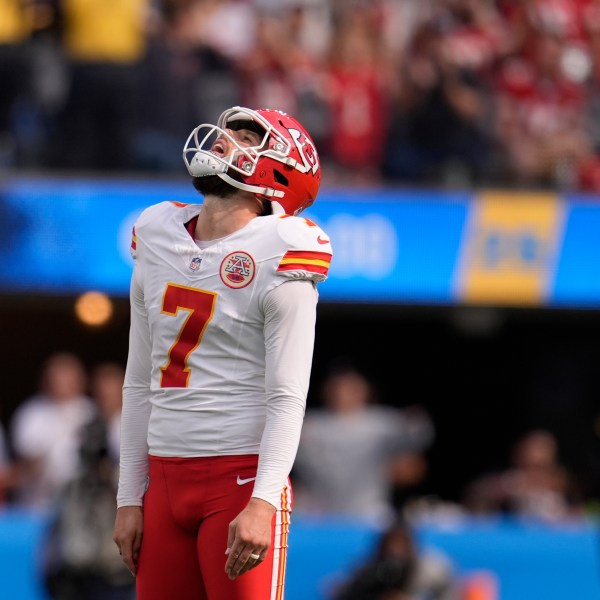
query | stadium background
[480, 305]
[483, 308]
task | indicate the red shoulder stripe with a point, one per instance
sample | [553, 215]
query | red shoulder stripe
[305, 260]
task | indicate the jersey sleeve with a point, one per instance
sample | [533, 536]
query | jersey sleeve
[290, 316]
[133, 471]
[309, 251]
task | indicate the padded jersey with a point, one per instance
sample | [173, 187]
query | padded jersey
[221, 343]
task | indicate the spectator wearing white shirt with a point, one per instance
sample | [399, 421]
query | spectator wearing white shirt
[45, 432]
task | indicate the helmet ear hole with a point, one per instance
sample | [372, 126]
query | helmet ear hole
[280, 177]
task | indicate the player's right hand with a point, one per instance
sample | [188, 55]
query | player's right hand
[127, 534]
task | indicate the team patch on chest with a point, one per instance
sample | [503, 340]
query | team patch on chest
[237, 269]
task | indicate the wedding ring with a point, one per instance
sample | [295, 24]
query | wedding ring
[255, 556]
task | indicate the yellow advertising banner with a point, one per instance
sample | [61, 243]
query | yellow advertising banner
[509, 248]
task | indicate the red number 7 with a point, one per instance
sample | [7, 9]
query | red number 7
[201, 305]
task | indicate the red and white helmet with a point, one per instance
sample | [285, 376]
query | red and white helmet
[283, 168]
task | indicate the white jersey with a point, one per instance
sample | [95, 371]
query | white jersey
[220, 351]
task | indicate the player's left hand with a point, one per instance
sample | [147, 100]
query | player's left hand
[249, 537]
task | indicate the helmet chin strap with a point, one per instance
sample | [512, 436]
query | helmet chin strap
[204, 163]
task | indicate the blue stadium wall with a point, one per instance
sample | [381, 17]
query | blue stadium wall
[415, 247]
[496, 559]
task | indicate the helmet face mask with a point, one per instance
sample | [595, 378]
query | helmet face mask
[283, 167]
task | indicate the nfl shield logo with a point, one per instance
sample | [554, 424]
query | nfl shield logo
[195, 264]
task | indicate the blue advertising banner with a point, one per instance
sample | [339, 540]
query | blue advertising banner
[391, 247]
[497, 558]
[67, 236]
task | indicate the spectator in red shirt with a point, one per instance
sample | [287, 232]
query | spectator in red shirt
[358, 82]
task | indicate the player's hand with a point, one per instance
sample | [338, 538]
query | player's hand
[249, 536]
[127, 534]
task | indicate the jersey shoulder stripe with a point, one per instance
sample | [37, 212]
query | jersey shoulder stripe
[313, 262]
[133, 240]
[308, 253]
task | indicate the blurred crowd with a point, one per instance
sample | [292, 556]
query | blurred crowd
[60, 457]
[361, 457]
[436, 92]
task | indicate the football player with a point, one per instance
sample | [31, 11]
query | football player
[223, 308]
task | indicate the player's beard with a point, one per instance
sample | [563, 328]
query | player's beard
[213, 185]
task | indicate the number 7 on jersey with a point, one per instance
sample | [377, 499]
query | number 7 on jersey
[201, 305]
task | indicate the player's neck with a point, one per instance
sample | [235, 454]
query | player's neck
[221, 217]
